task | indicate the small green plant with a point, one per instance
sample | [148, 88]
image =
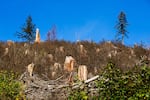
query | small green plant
[10, 89]
[78, 95]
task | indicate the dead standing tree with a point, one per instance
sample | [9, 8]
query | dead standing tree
[37, 38]
[51, 35]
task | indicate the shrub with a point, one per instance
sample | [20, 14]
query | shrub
[10, 89]
[132, 85]
[115, 84]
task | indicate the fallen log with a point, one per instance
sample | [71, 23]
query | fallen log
[92, 79]
[77, 85]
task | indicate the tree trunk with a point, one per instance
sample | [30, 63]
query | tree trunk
[82, 73]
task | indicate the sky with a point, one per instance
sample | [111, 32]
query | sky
[77, 19]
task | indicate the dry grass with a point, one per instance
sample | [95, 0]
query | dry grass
[16, 59]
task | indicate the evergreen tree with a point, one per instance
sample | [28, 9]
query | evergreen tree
[121, 27]
[27, 31]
